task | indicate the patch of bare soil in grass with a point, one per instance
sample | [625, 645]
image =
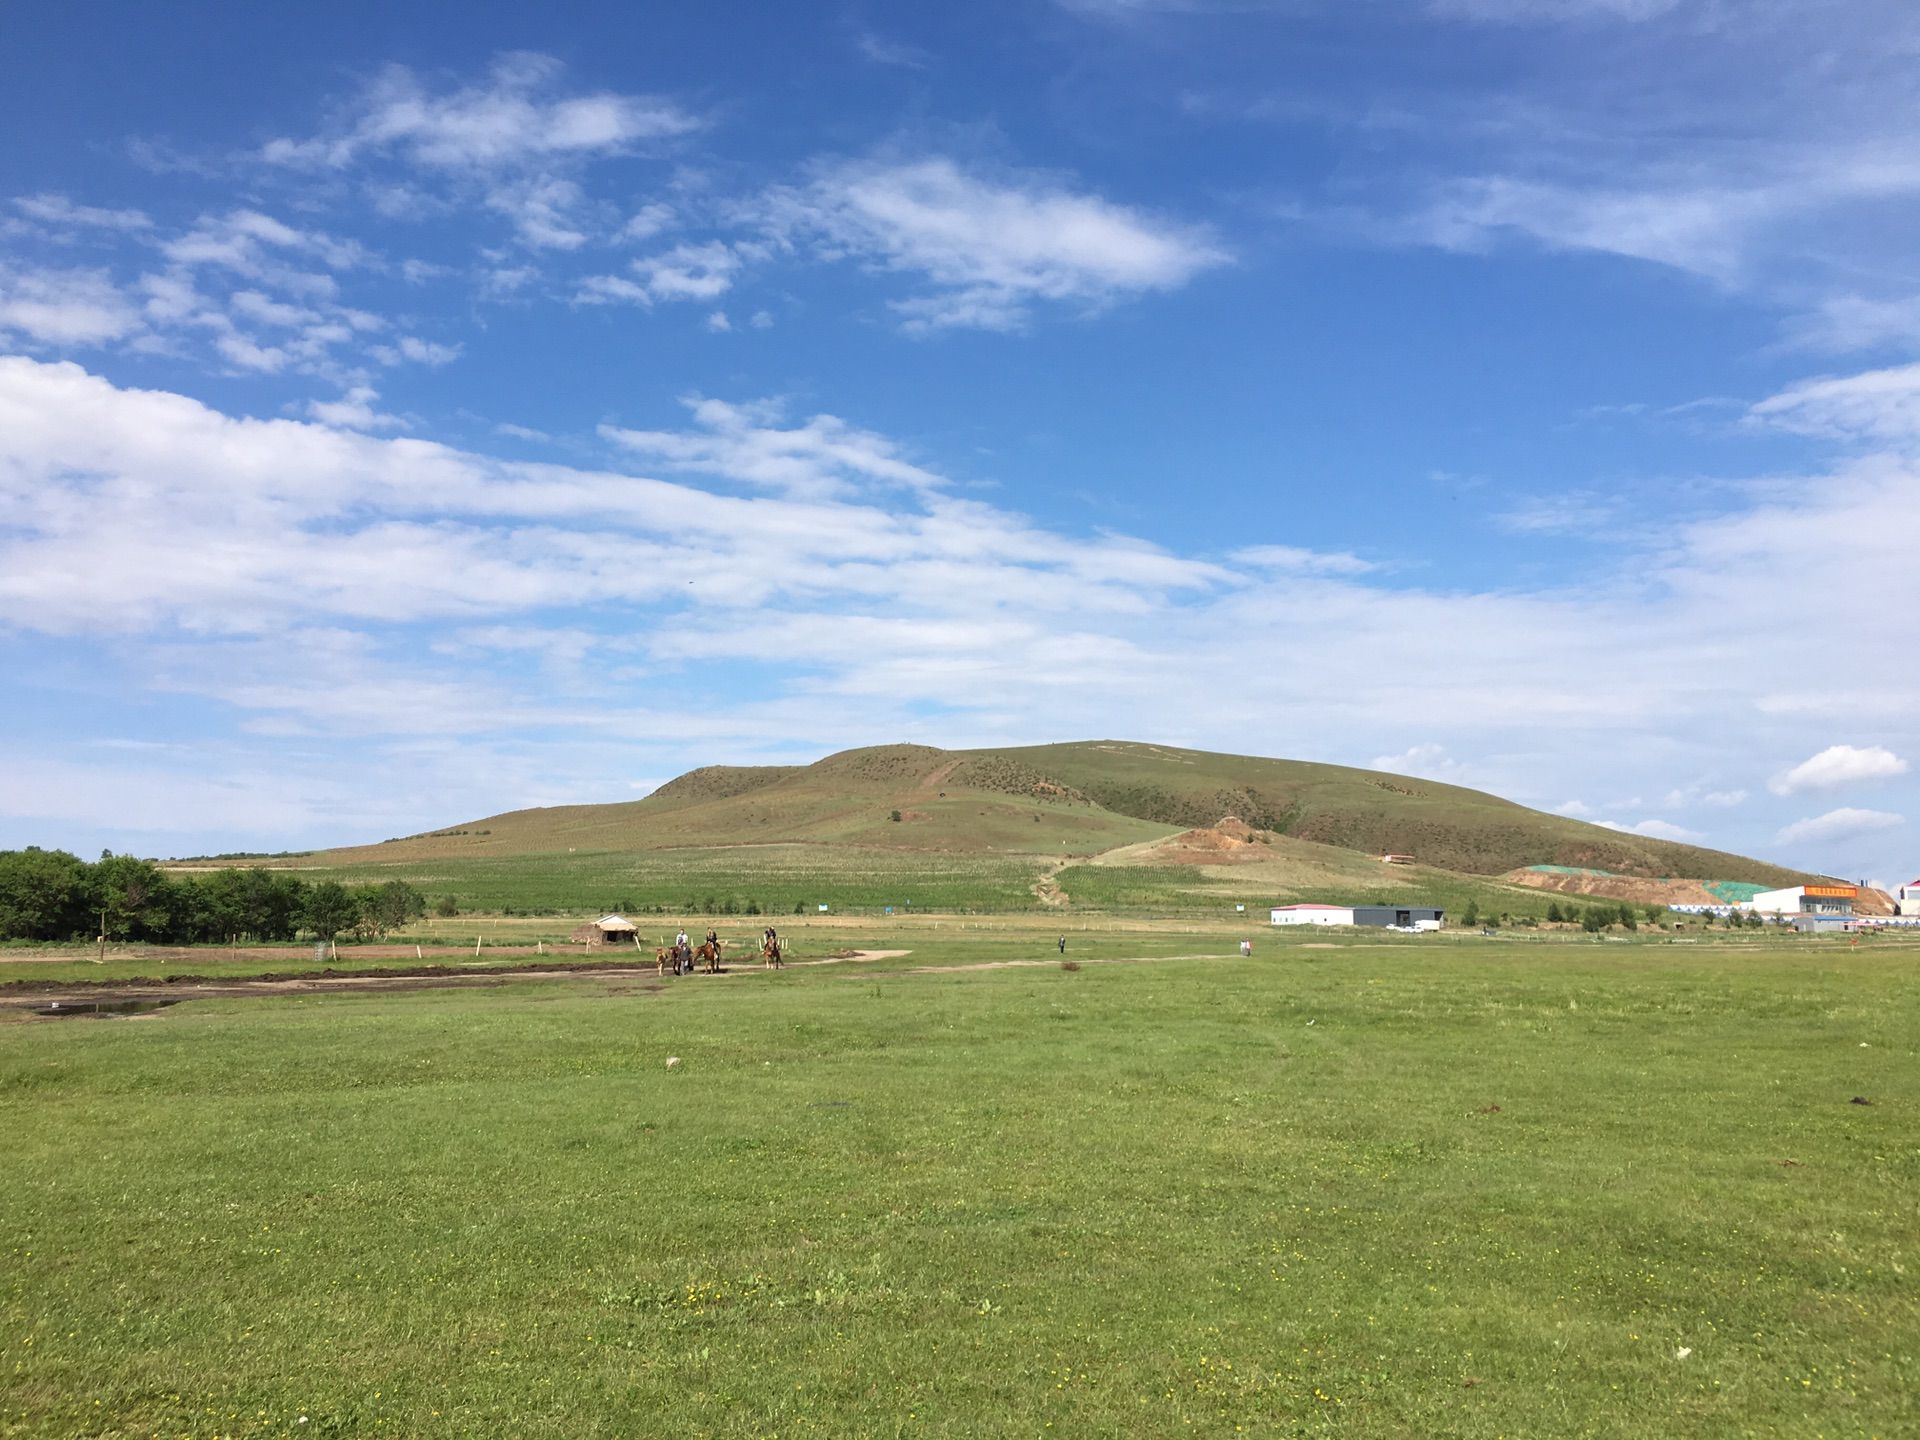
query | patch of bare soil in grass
[841, 957]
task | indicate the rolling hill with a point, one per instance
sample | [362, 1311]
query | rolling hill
[1115, 805]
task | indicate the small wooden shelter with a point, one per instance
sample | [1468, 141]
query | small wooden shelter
[607, 930]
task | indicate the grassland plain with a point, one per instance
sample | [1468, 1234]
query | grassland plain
[1373, 1190]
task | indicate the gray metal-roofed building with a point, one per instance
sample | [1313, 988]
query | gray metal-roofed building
[1416, 917]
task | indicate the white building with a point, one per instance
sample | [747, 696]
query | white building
[1806, 900]
[1906, 900]
[1313, 915]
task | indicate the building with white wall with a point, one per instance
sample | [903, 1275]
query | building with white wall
[1313, 915]
[1806, 900]
[1906, 900]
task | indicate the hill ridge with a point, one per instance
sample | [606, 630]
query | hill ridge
[1076, 799]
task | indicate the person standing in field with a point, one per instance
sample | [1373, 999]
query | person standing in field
[1063, 944]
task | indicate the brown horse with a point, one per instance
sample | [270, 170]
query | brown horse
[770, 953]
[660, 959]
[709, 951]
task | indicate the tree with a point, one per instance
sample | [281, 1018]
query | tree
[1593, 919]
[1555, 915]
[1471, 915]
[390, 907]
[329, 908]
[1629, 918]
[894, 816]
[445, 907]
[127, 893]
[43, 895]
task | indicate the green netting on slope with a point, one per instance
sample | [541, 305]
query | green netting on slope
[1566, 870]
[1732, 892]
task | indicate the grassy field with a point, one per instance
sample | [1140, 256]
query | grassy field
[776, 878]
[1382, 1189]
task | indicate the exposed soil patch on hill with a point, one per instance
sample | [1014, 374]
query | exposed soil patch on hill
[1229, 841]
[1630, 888]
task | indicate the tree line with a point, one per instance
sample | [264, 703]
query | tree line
[52, 895]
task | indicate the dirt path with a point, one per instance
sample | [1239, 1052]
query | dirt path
[1047, 889]
[842, 957]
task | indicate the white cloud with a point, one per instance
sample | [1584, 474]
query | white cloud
[354, 411]
[1882, 404]
[268, 311]
[1701, 228]
[58, 210]
[1553, 11]
[1303, 561]
[686, 272]
[1574, 512]
[1654, 830]
[411, 348]
[1837, 767]
[1837, 825]
[718, 323]
[1690, 796]
[890, 52]
[251, 243]
[65, 307]
[520, 432]
[761, 320]
[990, 248]
[1428, 760]
[690, 272]
[543, 212]
[824, 457]
[647, 222]
[1575, 809]
[513, 118]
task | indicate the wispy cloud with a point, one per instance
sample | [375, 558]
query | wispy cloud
[989, 247]
[59, 211]
[64, 307]
[1836, 825]
[512, 118]
[1879, 404]
[1653, 829]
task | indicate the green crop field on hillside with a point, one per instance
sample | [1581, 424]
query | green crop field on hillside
[1468, 1188]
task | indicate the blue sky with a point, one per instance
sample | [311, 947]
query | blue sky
[402, 421]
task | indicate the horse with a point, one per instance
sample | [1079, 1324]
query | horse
[770, 954]
[709, 951]
[662, 956]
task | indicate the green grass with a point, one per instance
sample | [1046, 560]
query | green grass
[1383, 1190]
[775, 877]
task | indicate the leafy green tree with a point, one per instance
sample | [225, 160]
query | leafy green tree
[1555, 915]
[128, 897]
[389, 907]
[43, 895]
[328, 909]
[445, 907]
[1629, 917]
[1471, 915]
[1593, 919]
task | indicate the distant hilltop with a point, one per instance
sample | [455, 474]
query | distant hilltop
[1084, 799]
